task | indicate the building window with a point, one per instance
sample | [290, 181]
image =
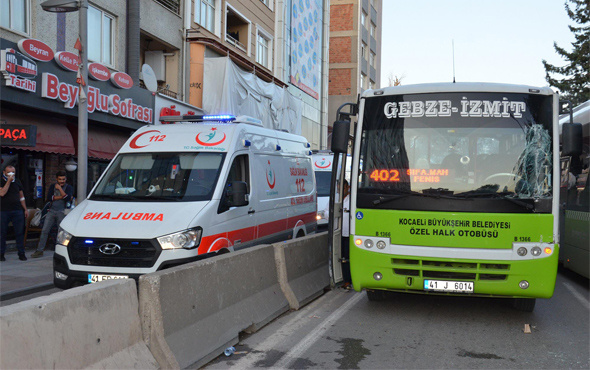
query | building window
[100, 36]
[362, 81]
[263, 49]
[205, 14]
[364, 19]
[14, 15]
[372, 85]
[172, 5]
[364, 51]
[266, 2]
[373, 29]
[237, 31]
[372, 59]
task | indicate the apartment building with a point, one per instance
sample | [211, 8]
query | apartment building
[355, 50]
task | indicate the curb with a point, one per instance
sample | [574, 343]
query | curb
[25, 291]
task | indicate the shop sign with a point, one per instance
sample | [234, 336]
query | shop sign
[122, 80]
[112, 104]
[36, 49]
[18, 135]
[18, 70]
[98, 72]
[68, 61]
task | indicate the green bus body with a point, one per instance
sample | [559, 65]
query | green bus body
[456, 195]
[469, 231]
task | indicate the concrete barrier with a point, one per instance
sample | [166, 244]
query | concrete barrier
[93, 326]
[302, 266]
[190, 313]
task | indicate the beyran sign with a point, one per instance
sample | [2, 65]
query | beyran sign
[20, 71]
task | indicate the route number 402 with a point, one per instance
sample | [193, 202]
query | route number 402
[300, 185]
[385, 175]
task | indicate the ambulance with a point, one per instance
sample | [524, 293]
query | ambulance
[322, 166]
[176, 193]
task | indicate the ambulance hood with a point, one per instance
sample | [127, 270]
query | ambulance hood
[137, 220]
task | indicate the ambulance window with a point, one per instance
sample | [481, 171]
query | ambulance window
[239, 171]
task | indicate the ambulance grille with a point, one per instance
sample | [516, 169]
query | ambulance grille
[134, 253]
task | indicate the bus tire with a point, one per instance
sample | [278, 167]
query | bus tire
[376, 295]
[524, 304]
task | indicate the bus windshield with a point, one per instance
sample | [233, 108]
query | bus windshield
[457, 145]
[162, 177]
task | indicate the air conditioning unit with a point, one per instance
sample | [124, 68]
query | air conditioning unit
[157, 61]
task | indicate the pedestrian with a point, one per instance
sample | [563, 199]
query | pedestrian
[12, 208]
[60, 195]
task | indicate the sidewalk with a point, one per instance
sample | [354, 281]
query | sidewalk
[17, 275]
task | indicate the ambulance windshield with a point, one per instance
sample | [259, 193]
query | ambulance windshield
[162, 177]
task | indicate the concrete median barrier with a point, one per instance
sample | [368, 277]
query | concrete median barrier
[302, 265]
[190, 313]
[94, 326]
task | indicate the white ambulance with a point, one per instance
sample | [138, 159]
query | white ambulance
[179, 192]
[322, 166]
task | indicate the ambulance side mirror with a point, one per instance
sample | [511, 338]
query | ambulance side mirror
[237, 194]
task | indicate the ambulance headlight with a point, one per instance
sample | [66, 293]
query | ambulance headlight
[188, 239]
[320, 215]
[63, 237]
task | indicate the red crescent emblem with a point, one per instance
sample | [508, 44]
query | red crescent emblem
[272, 186]
[133, 143]
[326, 166]
[199, 141]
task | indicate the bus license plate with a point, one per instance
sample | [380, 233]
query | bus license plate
[448, 286]
[95, 278]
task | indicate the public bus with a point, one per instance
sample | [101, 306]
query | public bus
[575, 193]
[453, 191]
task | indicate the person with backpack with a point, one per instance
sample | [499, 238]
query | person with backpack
[60, 195]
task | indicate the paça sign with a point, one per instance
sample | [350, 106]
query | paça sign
[18, 135]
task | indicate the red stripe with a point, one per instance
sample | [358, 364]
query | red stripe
[249, 233]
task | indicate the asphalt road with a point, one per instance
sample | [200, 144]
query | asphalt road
[343, 330]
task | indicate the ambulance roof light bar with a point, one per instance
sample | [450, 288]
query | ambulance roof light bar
[199, 118]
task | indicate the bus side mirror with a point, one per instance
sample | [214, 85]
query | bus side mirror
[237, 193]
[340, 136]
[571, 136]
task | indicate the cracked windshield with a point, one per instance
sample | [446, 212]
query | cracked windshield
[467, 145]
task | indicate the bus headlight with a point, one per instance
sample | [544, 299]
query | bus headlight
[522, 251]
[368, 244]
[188, 239]
[536, 251]
[381, 244]
[63, 237]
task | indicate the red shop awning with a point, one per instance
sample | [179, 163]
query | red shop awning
[104, 144]
[51, 137]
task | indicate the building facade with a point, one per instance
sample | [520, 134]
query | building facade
[278, 46]
[355, 50]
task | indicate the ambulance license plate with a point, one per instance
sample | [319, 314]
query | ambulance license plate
[95, 278]
[448, 286]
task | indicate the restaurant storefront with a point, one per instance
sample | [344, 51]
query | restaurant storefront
[39, 115]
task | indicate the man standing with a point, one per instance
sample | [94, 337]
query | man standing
[12, 205]
[60, 196]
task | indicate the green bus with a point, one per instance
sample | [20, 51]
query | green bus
[452, 191]
[575, 192]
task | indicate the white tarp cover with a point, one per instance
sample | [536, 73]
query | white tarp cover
[227, 89]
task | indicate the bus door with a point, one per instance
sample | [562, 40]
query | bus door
[336, 219]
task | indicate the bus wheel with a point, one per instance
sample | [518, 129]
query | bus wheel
[375, 295]
[524, 304]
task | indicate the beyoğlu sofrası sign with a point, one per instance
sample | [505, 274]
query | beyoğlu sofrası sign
[36, 77]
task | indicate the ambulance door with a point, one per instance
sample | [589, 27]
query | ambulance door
[238, 223]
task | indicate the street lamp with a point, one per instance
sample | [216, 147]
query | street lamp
[65, 6]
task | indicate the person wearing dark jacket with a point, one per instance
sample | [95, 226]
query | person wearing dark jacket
[60, 195]
[12, 205]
